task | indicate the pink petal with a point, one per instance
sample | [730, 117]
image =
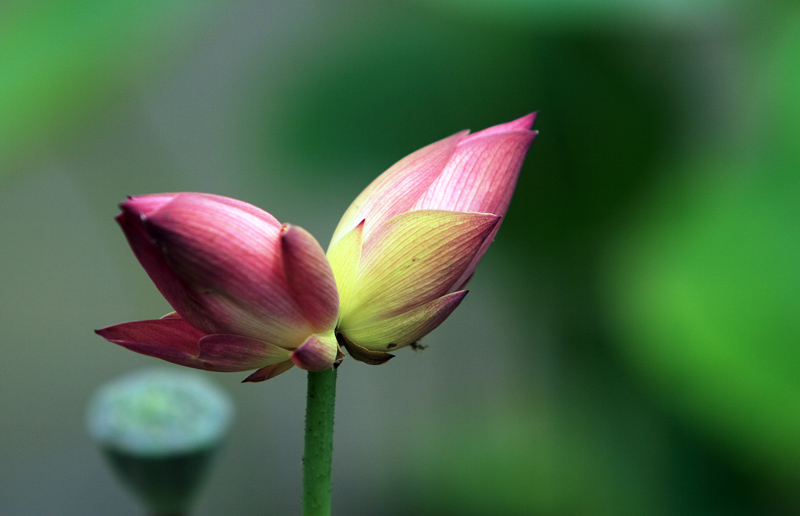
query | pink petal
[150, 256]
[173, 340]
[481, 176]
[229, 353]
[172, 333]
[310, 277]
[176, 341]
[397, 190]
[218, 262]
[147, 204]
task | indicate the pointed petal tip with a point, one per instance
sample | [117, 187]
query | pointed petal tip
[142, 205]
[524, 124]
[268, 372]
[460, 294]
[528, 120]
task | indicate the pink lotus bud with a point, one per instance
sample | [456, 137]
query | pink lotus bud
[248, 292]
[412, 239]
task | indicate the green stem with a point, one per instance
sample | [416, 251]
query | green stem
[319, 443]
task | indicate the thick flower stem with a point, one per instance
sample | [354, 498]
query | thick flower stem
[319, 443]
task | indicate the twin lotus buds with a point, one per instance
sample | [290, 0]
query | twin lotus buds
[250, 293]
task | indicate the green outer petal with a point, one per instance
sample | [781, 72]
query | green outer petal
[402, 330]
[344, 256]
[412, 259]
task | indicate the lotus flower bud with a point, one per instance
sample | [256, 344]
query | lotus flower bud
[248, 292]
[408, 244]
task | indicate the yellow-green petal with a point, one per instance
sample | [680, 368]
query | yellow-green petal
[401, 330]
[410, 260]
[344, 257]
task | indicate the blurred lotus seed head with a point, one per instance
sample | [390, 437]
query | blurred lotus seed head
[159, 412]
[160, 430]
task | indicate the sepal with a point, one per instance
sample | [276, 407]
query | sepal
[317, 353]
[363, 354]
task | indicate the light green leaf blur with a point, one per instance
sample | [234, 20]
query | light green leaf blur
[706, 284]
[62, 61]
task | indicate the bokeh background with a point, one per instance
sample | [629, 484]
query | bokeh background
[630, 345]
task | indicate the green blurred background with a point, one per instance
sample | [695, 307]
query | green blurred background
[630, 345]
